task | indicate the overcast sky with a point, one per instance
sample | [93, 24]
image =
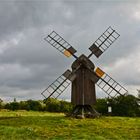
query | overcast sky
[28, 64]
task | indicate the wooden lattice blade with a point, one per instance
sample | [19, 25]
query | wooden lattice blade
[109, 85]
[60, 44]
[55, 89]
[103, 42]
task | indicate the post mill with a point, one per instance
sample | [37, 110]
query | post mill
[84, 76]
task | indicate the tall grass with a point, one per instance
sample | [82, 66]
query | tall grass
[24, 125]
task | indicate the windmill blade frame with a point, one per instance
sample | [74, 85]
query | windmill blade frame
[58, 86]
[109, 85]
[60, 44]
[103, 42]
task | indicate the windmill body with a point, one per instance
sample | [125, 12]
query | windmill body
[84, 76]
[83, 87]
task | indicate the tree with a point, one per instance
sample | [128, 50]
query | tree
[65, 106]
[53, 105]
[34, 105]
[138, 93]
[12, 106]
[126, 106]
[101, 106]
[15, 100]
[1, 101]
[23, 105]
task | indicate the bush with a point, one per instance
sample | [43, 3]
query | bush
[65, 106]
[121, 106]
[53, 105]
[12, 106]
[1, 103]
[101, 106]
[126, 106]
[24, 105]
[34, 105]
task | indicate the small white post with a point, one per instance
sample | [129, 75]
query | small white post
[109, 109]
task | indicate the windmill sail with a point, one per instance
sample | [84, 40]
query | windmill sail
[103, 42]
[109, 85]
[58, 86]
[60, 44]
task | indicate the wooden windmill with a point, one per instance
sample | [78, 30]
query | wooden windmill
[84, 75]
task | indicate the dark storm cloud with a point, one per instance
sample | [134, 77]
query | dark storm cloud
[28, 64]
[19, 15]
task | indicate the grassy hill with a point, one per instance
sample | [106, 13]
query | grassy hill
[23, 125]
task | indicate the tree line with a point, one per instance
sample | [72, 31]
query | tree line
[127, 105]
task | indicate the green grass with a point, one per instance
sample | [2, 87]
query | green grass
[23, 125]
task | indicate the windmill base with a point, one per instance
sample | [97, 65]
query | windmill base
[84, 111]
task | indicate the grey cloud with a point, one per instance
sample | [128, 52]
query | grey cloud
[80, 23]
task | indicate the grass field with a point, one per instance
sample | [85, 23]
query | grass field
[23, 125]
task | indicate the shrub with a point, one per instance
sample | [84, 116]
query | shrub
[12, 106]
[53, 105]
[126, 106]
[34, 105]
[101, 106]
